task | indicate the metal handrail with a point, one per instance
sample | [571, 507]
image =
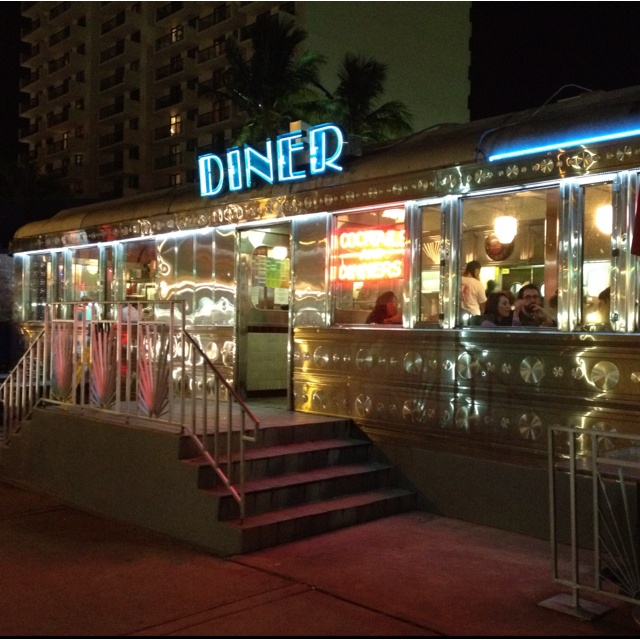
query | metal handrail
[24, 386]
[108, 357]
[595, 542]
[244, 435]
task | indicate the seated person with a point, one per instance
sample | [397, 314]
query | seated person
[529, 311]
[498, 311]
[385, 310]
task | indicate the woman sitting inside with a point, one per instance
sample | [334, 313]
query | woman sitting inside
[385, 310]
[497, 312]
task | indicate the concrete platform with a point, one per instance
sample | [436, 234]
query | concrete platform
[65, 572]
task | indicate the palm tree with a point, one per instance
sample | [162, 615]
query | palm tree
[273, 85]
[354, 106]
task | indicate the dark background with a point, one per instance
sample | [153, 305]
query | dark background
[522, 53]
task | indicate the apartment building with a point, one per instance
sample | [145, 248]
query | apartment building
[119, 95]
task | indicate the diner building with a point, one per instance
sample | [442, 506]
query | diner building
[279, 253]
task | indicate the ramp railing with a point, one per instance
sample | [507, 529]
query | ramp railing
[594, 533]
[130, 361]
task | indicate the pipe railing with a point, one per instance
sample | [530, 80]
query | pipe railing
[133, 360]
[594, 528]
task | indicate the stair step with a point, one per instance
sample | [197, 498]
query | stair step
[289, 458]
[301, 521]
[278, 492]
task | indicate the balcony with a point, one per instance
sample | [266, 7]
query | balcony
[175, 96]
[168, 162]
[58, 120]
[218, 15]
[27, 105]
[55, 93]
[176, 131]
[25, 81]
[168, 9]
[59, 9]
[31, 33]
[123, 79]
[31, 53]
[30, 130]
[57, 147]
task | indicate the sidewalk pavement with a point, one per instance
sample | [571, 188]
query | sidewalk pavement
[68, 573]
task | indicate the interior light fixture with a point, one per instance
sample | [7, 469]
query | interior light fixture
[279, 253]
[505, 228]
[604, 219]
[394, 214]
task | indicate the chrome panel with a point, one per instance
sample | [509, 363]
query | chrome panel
[449, 286]
[413, 262]
[489, 390]
[224, 284]
[310, 302]
[624, 266]
[203, 275]
[571, 224]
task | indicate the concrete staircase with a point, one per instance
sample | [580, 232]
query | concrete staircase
[304, 480]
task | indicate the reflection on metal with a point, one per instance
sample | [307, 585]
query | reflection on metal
[318, 401]
[413, 363]
[321, 357]
[466, 417]
[530, 426]
[532, 369]
[413, 410]
[605, 375]
[363, 405]
[467, 366]
[364, 359]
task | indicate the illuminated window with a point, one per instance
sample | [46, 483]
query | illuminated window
[526, 254]
[176, 125]
[177, 33]
[430, 264]
[367, 260]
[175, 179]
[596, 268]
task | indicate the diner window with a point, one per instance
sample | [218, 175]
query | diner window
[367, 263]
[512, 238]
[270, 270]
[596, 268]
[430, 264]
[139, 266]
[85, 276]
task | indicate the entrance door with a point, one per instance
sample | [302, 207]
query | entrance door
[264, 296]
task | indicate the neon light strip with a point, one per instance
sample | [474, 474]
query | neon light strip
[567, 143]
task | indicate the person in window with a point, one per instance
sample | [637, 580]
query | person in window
[498, 312]
[529, 311]
[385, 310]
[472, 292]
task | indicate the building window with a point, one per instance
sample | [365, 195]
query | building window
[133, 182]
[135, 65]
[134, 153]
[367, 262]
[78, 159]
[135, 95]
[79, 133]
[177, 33]
[134, 123]
[219, 46]
[80, 104]
[175, 179]
[176, 124]
[135, 37]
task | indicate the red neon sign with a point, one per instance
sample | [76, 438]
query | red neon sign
[367, 254]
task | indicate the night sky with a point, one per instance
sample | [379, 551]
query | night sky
[521, 54]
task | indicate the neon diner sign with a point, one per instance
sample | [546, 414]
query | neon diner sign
[367, 254]
[293, 156]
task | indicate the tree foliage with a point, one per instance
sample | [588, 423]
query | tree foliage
[273, 83]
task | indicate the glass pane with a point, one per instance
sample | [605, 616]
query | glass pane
[596, 273]
[367, 266]
[512, 239]
[430, 264]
